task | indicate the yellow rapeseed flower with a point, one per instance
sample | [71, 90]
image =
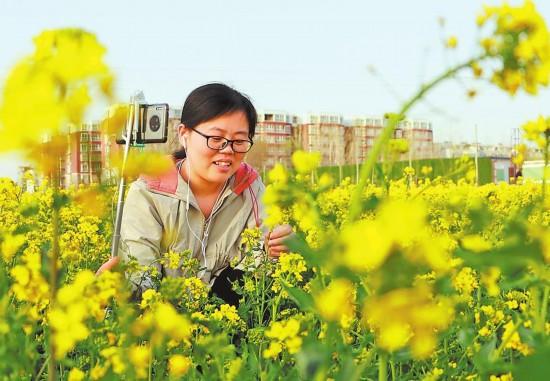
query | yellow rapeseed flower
[465, 282]
[451, 42]
[76, 374]
[512, 340]
[139, 357]
[283, 334]
[50, 88]
[10, 245]
[489, 279]
[408, 316]
[522, 42]
[305, 162]
[178, 365]
[336, 301]
[278, 174]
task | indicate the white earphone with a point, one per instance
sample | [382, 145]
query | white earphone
[204, 240]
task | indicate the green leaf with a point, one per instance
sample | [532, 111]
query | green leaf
[301, 298]
[60, 200]
[482, 359]
[513, 260]
[312, 360]
[296, 243]
[535, 367]
[466, 337]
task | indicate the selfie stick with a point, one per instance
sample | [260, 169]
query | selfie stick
[131, 122]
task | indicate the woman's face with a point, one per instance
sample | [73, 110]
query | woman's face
[210, 165]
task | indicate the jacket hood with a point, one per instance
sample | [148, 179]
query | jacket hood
[168, 182]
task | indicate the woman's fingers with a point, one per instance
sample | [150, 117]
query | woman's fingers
[281, 231]
[276, 241]
[276, 238]
[107, 266]
[276, 251]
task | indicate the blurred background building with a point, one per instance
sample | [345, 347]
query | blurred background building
[278, 134]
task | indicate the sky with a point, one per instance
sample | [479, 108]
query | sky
[351, 57]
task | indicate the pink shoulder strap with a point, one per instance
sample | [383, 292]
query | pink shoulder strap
[167, 182]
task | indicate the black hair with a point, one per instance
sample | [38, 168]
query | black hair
[212, 100]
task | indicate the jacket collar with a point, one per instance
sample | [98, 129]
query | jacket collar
[172, 183]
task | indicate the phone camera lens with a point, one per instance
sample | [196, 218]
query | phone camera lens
[154, 123]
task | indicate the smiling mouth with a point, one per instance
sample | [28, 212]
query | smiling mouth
[222, 163]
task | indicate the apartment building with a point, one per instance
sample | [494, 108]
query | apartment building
[364, 130]
[86, 155]
[273, 140]
[419, 133]
[324, 133]
[361, 135]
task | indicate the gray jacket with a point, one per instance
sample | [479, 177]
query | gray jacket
[156, 219]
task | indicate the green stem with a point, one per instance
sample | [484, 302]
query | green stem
[543, 309]
[52, 366]
[383, 367]
[275, 305]
[387, 132]
[546, 158]
[500, 348]
[150, 362]
[42, 368]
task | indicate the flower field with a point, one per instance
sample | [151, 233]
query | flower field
[413, 278]
[436, 280]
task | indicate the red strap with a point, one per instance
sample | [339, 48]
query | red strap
[244, 177]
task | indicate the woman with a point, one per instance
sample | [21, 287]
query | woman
[208, 198]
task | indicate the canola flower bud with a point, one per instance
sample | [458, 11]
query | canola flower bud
[305, 162]
[451, 42]
[179, 365]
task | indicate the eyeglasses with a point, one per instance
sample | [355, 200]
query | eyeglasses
[219, 142]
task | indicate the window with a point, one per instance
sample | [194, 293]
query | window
[96, 137]
[96, 147]
[84, 147]
[84, 167]
[314, 129]
[84, 137]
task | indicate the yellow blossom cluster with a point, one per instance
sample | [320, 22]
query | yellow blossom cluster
[386, 233]
[305, 162]
[228, 316]
[337, 302]
[511, 339]
[522, 42]
[538, 131]
[162, 321]
[466, 281]
[289, 269]
[87, 296]
[410, 316]
[29, 284]
[283, 335]
[51, 87]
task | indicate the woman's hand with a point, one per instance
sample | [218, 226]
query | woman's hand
[108, 266]
[275, 240]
